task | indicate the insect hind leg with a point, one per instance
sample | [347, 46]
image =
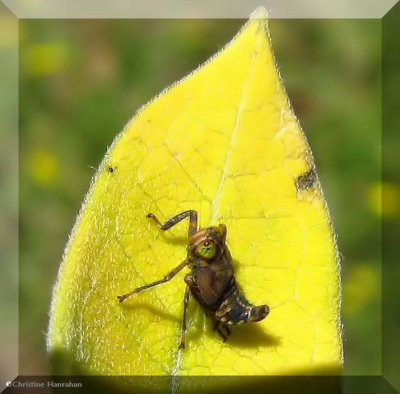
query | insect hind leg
[184, 326]
[223, 330]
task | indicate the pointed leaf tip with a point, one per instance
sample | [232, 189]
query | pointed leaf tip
[259, 13]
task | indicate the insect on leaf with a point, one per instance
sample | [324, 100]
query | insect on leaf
[225, 142]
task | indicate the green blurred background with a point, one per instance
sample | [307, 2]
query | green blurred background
[82, 80]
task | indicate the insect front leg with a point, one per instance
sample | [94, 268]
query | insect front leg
[166, 278]
[176, 219]
[185, 306]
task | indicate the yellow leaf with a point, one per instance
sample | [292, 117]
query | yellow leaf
[225, 142]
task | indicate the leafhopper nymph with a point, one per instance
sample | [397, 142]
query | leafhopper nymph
[211, 280]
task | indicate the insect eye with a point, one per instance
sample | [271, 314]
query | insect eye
[206, 249]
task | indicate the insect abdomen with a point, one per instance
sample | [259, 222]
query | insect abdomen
[235, 309]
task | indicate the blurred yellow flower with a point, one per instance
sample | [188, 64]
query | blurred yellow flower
[389, 207]
[46, 58]
[360, 285]
[43, 166]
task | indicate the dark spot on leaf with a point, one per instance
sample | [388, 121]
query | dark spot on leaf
[306, 181]
[111, 169]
